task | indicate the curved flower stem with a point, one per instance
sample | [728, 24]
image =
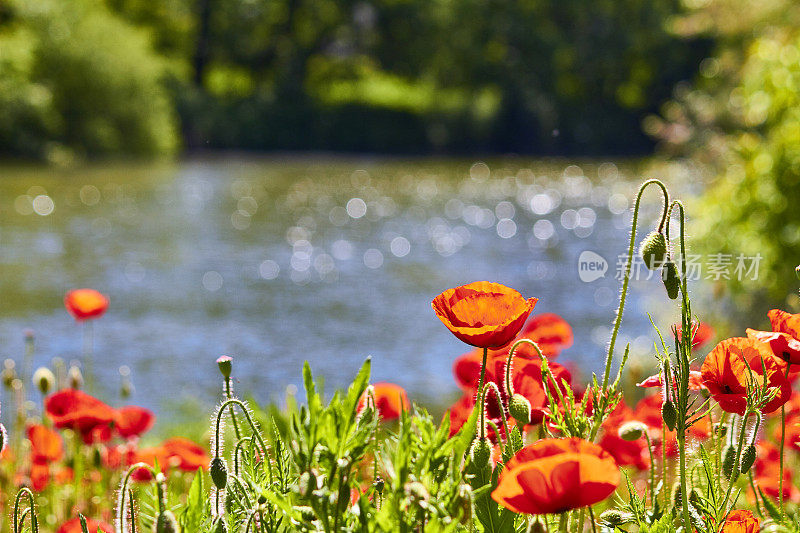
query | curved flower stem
[238, 450]
[123, 492]
[783, 443]
[652, 469]
[493, 386]
[256, 433]
[18, 521]
[229, 395]
[626, 279]
[510, 362]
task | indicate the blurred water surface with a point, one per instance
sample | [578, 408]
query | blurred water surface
[275, 261]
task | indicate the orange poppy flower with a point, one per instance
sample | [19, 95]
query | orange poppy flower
[551, 332]
[85, 414]
[727, 368]
[46, 448]
[133, 421]
[556, 475]
[46, 444]
[483, 314]
[85, 304]
[741, 521]
[390, 400]
[74, 526]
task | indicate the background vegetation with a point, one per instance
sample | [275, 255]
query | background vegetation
[142, 77]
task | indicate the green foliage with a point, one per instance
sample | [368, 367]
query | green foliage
[742, 122]
[78, 79]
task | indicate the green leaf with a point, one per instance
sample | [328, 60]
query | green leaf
[771, 508]
[195, 504]
[358, 387]
[314, 402]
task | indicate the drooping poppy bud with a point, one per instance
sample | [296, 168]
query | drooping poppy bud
[633, 430]
[669, 414]
[219, 472]
[167, 523]
[728, 460]
[520, 408]
[748, 458]
[481, 451]
[653, 250]
[670, 278]
[44, 380]
[614, 517]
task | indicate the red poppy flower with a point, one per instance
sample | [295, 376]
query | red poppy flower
[176, 452]
[84, 304]
[626, 453]
[133, 421]
[702, 334]
[483, 314]
[74, 526]
[727, 368]
[390, 400]
[526, 379]
[740, 521]
[784, 346]
[556, 475]
[551, 332]
[85, 414]
[695, 381]
[784, 322]
[460, 412]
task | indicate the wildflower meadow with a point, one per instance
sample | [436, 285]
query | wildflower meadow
[530, 446]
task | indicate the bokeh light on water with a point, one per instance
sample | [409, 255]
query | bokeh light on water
[274, 262]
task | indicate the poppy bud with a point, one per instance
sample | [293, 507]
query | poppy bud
[9, 373]
[653, 250]
[75, 377]
[748, 458]
[520, 408]
[306, 512]
[3, 437]
[670, 278]
[481, 452]
[225, 364]
[167, 523]
[669, 414]
[44, 380]
[379, 484]
[219, 472]
[797, 271]
[631, 431]
[613, 517]
[720, 429]
[728, 460]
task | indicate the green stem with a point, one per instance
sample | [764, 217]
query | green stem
[493, 386]
[253, 427]
[123, 492]
[626, 279]
[687, 523]
[652, 469]
[735, 474]
[18, 521]
[229, 395]
[783, 444]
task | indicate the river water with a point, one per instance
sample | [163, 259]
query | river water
[284, 259]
